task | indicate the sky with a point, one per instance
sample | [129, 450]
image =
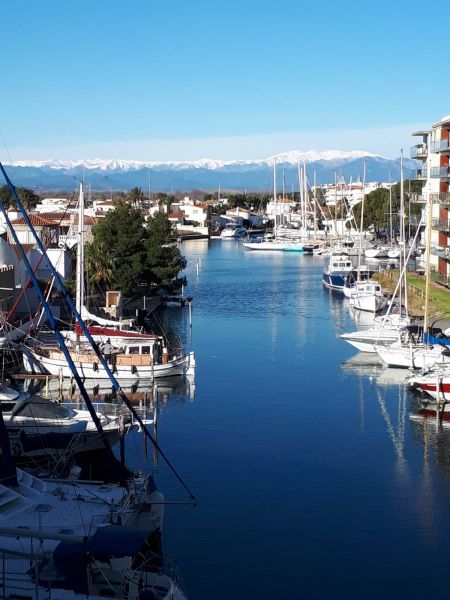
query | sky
[178, 80]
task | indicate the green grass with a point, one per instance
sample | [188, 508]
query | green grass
[439, 296]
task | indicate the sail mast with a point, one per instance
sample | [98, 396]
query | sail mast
[79, 297]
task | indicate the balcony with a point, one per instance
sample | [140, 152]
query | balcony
[419, 173]
[419, 151]
[417, 199]
[440, 172]
[441, 198]
[440, 146]
[441, 224]
[440, 252]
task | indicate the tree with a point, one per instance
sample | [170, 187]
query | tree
[119, 246]
[27, 197]
[136, 198]
[125, 253]
[163, 260]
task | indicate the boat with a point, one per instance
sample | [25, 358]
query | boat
[384, 332]
[368, 296]
[132, 362]
[338, 268]
[113, 562]
[137, 355]
[232, 231]
[275, 244]
[37, 425]
[376, 252]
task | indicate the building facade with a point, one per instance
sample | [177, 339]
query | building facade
[433, 154]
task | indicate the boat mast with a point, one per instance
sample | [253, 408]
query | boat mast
[79, 296]
[391, 241]
[429, 210]
[402, 229]
[315, 206]
[275, 199]
[361, 226]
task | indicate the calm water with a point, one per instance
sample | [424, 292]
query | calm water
[312, 480]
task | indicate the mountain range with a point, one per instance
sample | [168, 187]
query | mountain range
[205, 174]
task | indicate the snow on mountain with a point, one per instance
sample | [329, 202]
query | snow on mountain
[292, 158]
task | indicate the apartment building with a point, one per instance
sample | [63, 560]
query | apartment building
[433, 153]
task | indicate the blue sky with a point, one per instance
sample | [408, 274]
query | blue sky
[152, 80]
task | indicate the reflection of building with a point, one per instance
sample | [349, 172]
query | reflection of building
[433, 152]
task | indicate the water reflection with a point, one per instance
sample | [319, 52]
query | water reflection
[178, 388]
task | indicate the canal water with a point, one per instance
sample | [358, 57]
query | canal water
[312, 479]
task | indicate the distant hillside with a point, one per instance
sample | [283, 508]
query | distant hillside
[205, 174]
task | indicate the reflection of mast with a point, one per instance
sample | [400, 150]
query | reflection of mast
[397, 436]
[362, 408]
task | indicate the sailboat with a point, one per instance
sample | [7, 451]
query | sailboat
[37, 515]
[276, 243]
[424, 348]
[365, 293]
[137, 355]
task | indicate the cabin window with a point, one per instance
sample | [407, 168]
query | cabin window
[134, 350]
[145, 349]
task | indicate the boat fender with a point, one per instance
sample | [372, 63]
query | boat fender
[133, 369]
[95, 367]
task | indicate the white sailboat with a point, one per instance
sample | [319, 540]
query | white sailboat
[276, 244]
[365, 293]
[138, 356]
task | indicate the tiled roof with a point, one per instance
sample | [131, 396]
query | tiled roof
[36, 221]
[57, 216]
[26, 248]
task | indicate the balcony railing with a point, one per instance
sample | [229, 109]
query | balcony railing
[419, 151]
[440, 172]
[441, 224]
[417, 199]
[440, 252]
[440, 145]
[419, 173]
[441, 198]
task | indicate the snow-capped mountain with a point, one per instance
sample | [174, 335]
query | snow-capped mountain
[293, 158]
[204, 174]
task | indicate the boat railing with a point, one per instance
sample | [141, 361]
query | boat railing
[18, 580]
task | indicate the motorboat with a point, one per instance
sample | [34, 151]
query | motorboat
[376, 252]
[368, 296]
[232, 231]
[339, 267]
[384, 332]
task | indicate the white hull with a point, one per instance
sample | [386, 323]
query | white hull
[37, 363]
[274, 246]
[367, 303]
[366, 341]
[410, 357]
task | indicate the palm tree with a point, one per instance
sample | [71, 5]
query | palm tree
[99, 265]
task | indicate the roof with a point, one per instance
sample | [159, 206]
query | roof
[36, 221]
[56, 216]
[26, 249]
[88, 220]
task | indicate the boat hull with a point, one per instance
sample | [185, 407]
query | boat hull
[36, 363]
[334, 280]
